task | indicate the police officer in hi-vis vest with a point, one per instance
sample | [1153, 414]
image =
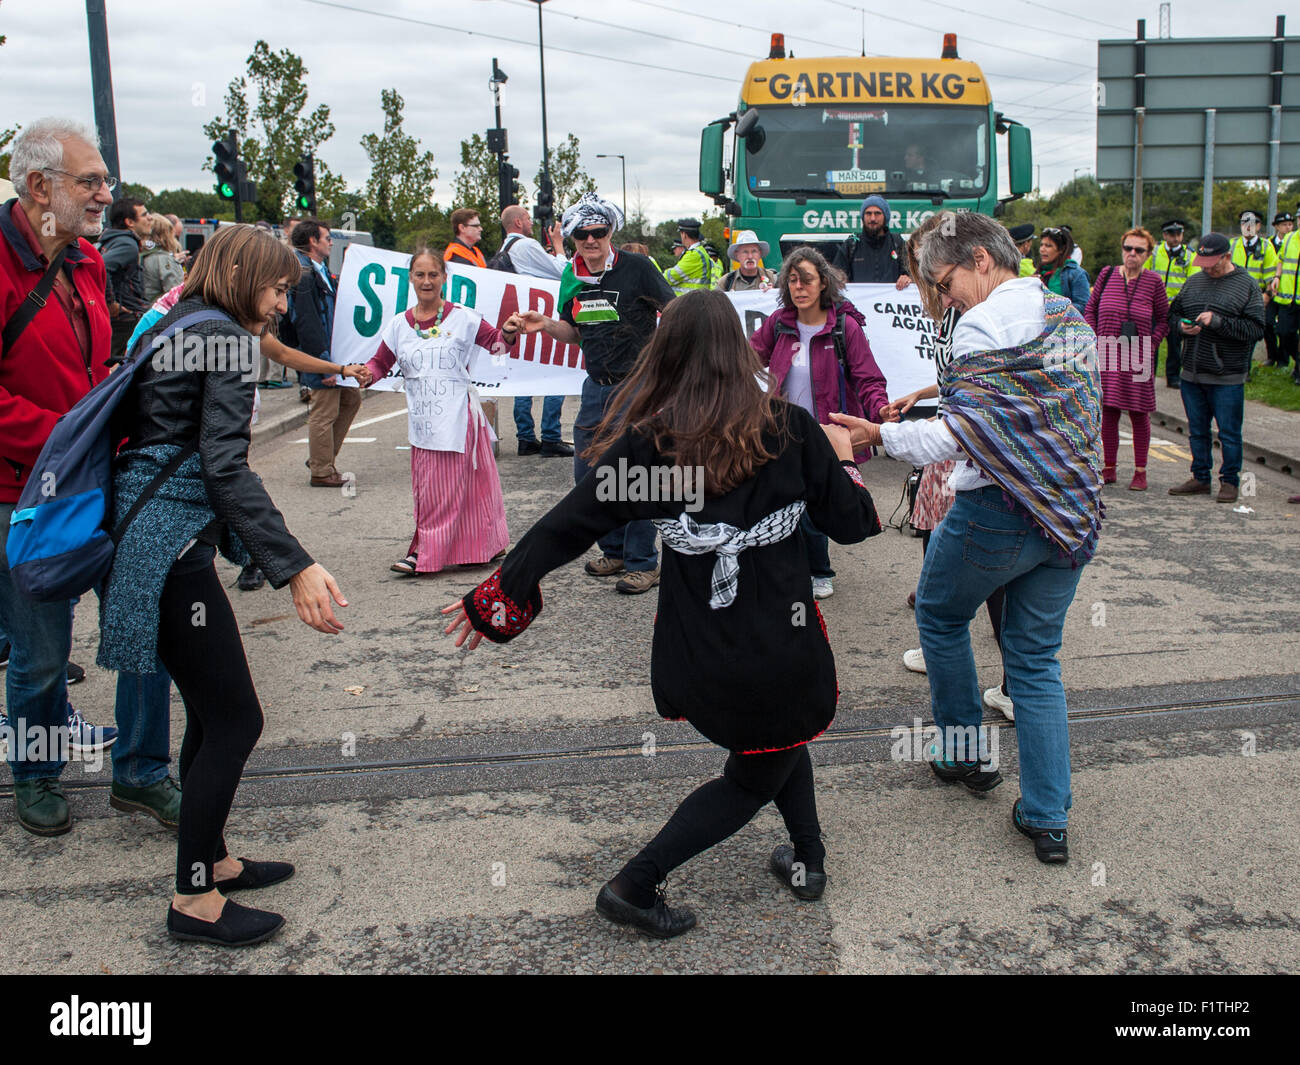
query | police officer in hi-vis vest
[1286, 282]
[1173, 262]
[1283, 224]
[1257, 256]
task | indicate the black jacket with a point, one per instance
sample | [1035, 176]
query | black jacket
[169, 406]
[311, 314]
[877, 260]
[121, 252]
[755, 675]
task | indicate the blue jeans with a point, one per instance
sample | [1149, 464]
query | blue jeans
[634, 542]
[818, 546]
[550, 418]
[980, 546]
[1226, 404]
[36, 682]
[143, 713]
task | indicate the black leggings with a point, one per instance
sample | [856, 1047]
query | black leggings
[199, 644]
[994, 605]
[724, 806]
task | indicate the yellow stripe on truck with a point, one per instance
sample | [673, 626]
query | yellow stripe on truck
[899, 81]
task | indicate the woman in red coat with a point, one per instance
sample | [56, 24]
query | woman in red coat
[1129, 312]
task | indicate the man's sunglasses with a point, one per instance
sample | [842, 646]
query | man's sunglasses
[591, 234]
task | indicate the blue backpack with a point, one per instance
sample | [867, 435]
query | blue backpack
[61, 543]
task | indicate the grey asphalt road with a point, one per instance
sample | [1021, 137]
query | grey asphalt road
[457, 812]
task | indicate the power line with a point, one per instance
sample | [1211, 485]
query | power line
[633, 29]
[1058, 12]
[989, 44]
[1013, 22]
[680, 72]
[836, 46]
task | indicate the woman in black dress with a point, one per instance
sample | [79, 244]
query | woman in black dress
[740, 649]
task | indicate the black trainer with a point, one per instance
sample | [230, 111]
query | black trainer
[75, 673]
[658, 921]
[238, 926]
[556, 449]
[1050, 844]
[529, 447]
[810, 886]
[969, 773]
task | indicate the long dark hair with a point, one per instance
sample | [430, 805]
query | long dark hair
[693, 391]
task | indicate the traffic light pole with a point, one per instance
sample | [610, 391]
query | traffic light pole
[239, 211]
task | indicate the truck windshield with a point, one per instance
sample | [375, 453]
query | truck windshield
[852, 151]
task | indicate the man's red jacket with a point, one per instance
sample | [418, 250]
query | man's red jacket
[45, 373]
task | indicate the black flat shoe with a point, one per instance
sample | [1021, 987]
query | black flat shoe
[238, 926]
[256, 875]
[969, 773]
[782, 866]
[658, 921]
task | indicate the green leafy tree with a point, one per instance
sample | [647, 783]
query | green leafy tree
[6, 135]
[274, 130]
[568, 178]
[399, 191]
[188, 203]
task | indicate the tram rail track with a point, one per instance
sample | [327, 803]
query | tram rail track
[833, 737]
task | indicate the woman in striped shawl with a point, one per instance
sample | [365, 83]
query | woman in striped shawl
[1021, 414]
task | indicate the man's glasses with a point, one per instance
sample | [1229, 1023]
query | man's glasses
[94, 182]
[1135, 251]
[591, 234]
[943, 286]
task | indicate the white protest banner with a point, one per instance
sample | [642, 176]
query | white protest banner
[899, 331]
[374, 286]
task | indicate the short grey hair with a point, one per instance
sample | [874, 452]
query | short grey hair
[954, 240]
[40, 147]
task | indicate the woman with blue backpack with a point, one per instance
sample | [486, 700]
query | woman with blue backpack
[163, 603]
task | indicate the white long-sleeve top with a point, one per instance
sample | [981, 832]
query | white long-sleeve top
[1012, 314]
[530, 258]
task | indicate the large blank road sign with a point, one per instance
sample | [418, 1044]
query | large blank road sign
[1184, 78]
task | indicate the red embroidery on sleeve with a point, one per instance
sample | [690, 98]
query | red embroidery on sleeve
[495, 614]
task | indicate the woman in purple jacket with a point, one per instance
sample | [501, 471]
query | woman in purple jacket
[798, 344]
[1129, 312]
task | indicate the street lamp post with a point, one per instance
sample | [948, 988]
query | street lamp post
[541, 54]
[623, 161]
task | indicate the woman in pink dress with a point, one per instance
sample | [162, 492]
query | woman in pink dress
[460, 516]
[1129, 312]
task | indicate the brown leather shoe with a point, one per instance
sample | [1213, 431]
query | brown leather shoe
[1227, 493]
[1191, 487]
[338, 482]
[638, 581]
[604, 566]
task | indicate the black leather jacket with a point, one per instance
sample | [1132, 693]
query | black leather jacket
[167, 406]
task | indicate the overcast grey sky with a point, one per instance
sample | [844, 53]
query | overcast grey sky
[173, 61]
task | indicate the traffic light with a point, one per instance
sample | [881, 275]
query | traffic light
[544, 212]
[508, 188]
[227, 168]
[305, 185]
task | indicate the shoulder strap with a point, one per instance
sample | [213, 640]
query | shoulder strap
[35, 300]
[152, 487]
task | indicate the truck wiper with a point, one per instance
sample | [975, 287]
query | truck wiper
[830, 194]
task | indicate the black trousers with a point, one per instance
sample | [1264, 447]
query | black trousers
[1174, 351]
[724, 806]
[199, 644]
[1270, 332]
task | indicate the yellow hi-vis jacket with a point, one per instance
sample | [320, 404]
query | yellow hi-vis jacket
[1289, 257]
[1259, 262]
[1174, 268]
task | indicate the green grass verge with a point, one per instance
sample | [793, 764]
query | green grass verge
[1267, 384]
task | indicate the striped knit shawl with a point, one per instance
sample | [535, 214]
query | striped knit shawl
[1029, 417]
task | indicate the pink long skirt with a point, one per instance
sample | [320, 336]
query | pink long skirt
[460, 516]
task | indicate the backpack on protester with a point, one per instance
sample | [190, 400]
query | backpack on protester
[61, 540]
[501, 260]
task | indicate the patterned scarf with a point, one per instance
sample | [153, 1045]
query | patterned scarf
[1029, 417]
[685, 536]
[576, 275]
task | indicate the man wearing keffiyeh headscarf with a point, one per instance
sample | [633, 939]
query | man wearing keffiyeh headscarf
[609, 303]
